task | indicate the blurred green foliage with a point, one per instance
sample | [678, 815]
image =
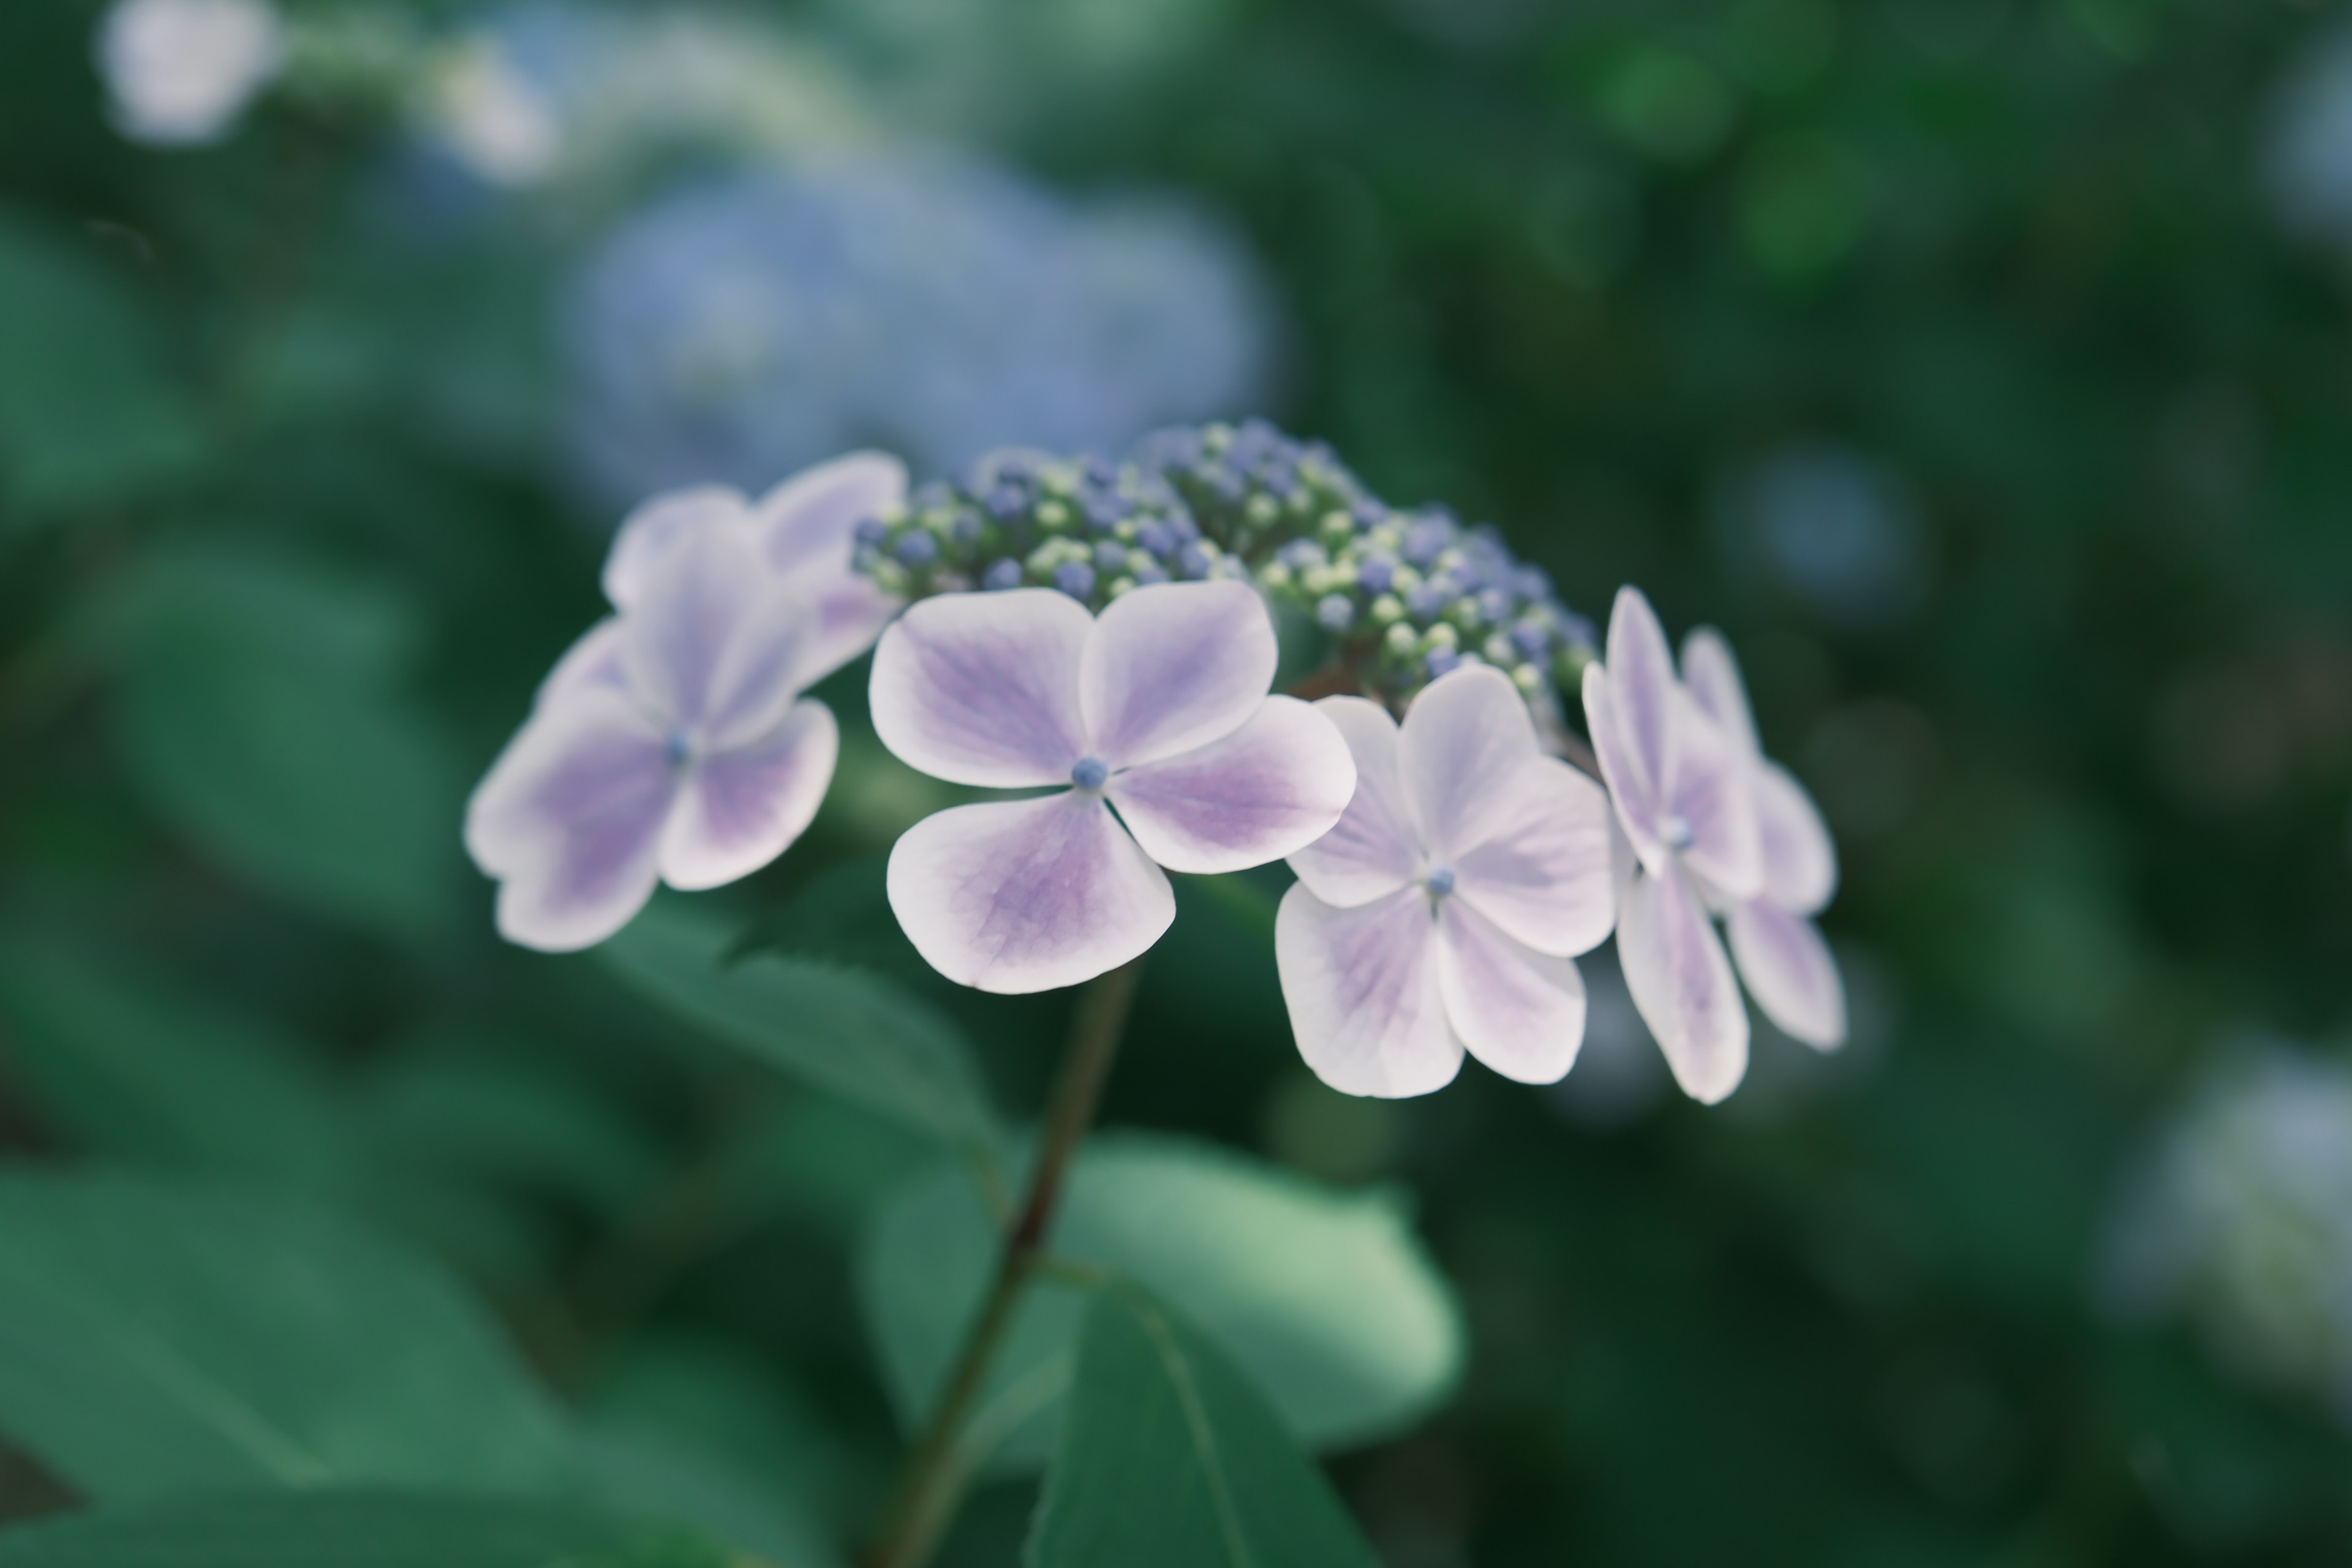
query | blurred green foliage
[283, 554]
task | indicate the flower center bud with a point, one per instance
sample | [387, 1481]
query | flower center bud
[1089, 772]
[1676, 832]
[679, 747]
[1439, 880]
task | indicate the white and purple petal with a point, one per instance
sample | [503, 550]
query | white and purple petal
[1791, 973]
[1710, 818]
[1362, 990]
[1639, 813]
[689, 638]
[1644, 689]
[740, 808]
[1800, 856]
[1273, 787]
[807, 527]
[648, 534]
[1682, 984]
[1463, 740]
[1543, 874]
[1028, 895]
[1521, 1011]
[1711, 676]
[595, 660]
[1174, 666]
[982, 689]
[1372, 850]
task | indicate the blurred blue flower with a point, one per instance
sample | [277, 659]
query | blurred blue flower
[938, 308]
[1835, 528]
[2307, 158]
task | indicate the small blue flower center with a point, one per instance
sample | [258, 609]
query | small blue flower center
[1089, 772]
[1439, 880]
[1676, 832]
[678, 748]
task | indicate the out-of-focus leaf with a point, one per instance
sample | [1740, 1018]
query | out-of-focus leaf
[721, 1397]
[663, 1476]
[846, 1032]
[258, 715]
[1325, 1297]
[139, 1072]
[87, 413]
[357, 1530]
[1169, 1459]
[160, 1341]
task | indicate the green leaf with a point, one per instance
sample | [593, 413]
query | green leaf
[1170, 1459]
[849, 1033]
[1324, 1296]
[124, 1066]
[87, 415]
[357, 1530]
[161, 1341]
[668, 1477]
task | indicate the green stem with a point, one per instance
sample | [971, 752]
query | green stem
[932, 1482]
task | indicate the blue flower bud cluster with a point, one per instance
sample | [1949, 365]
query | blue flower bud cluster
[1406, 595]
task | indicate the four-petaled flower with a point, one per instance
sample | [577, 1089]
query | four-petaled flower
[1443, 911]
[1158, 709]
[670, 743]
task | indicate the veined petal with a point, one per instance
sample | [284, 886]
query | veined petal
[1362, 990]
[1520, 1011]
[570, 817]
[1028, 895]
[1791, 973]
[740, 808]
[1682, 984]
[594, 661]
[1711, 676]
[1800, 855]
[1639, 812]
[810, 520]
[1372, 850]
[1643, 686]
[1274, 785]
[1174, 666]
[982, 689]
[846, 616]
[647, 534]
[1463, 740]
[1544, 876]
[1712, 803]
[708, 643]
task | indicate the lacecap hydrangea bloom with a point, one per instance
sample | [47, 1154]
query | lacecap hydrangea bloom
[671, 743]
[1443, 912]
[179, 72]
[1696, 804]
[1158, 706]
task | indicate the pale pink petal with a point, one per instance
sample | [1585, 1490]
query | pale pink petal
[1372, 850]
[740, 808]
[1362, 990]
[707, 642]
[982, 689]
[571, 818]
[658, 524]
[1465, 739]
[1711, 806]
[1682, 984]
[1791, 973]
[1174, 666]
[1800, 855]
[806, 526]
[1028, 895]
[1639, 812]
[1711, 676]
[594, 661]
[1643, 685]
[1543, 875]
[1275, 785]
[1520, 1011]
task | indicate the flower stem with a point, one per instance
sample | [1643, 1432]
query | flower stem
[930, 1483]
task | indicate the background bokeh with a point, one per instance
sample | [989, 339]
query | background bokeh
[1984, 367]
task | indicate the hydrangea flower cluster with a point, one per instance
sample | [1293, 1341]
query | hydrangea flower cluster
[1406, 595]
[1103, 632]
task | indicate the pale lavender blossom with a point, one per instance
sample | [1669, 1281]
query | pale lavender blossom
[671, 743]
[1684, 797]
[1158, 708]
[1785, 965]
[1445, 911]
[179, 72]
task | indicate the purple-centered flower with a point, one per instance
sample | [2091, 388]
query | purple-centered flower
[1445, 911]
[1787, 966]
[670, 742]
[1158, 708]
[1685, 796]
